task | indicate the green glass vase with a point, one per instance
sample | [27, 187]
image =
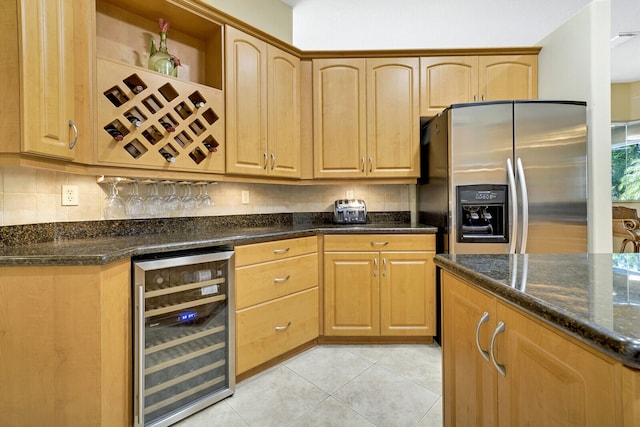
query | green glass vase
[160, 60]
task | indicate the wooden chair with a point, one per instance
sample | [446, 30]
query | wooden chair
[627, 226]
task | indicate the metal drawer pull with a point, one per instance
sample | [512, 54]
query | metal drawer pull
[484, 318]
[281, 279]
[379, 243]
[282, 328]
[281, 251]
[498, 366]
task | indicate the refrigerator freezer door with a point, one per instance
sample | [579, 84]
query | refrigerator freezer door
[480, 141]
[551, 142]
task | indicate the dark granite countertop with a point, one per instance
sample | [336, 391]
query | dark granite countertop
[160, 236]
[593, 297]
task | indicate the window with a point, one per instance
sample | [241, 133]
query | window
[625, 161]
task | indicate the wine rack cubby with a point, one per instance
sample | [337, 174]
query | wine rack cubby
[147, 119]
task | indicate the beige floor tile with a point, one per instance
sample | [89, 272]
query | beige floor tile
[387, 399]
[220, 414]
[328, 367]
[433, 417]
[275, 397]
[331, 413]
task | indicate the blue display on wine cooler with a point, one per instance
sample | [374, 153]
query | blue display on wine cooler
[186, 316]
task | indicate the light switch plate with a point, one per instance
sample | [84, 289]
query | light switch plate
[245, 197]
[69, 195]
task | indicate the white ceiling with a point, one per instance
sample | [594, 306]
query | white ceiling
[625, 17]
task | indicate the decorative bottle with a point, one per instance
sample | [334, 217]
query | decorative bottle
[160, 60]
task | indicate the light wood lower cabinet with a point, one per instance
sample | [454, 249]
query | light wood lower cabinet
[65, 345]
[276, 299]
[379, 285]
[549, 378]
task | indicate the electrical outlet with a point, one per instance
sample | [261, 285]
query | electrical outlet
[69, 195]
[349, 194]
[245, 197]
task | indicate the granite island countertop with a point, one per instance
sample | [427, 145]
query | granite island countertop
[593, 297]
[97, 250]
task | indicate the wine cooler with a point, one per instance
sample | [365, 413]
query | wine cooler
[184, 335]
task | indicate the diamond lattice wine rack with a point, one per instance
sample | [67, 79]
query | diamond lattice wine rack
[147, 119]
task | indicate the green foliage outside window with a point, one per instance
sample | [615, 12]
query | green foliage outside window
[625, 161]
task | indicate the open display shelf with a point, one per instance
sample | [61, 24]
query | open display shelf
[148, 119]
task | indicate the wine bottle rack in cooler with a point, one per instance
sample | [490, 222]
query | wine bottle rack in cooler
[184, 335]
[148, 119]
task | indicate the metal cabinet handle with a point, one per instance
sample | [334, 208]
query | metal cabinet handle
[266, 160]
[484, 318]
[75, 134]
[384, 267]
[379, 243]
[362, 164]
[483, 96]
[273, 161]
[370, 164]
[498, 366]
[141, 348]
[375, 267]
[282, 328]
[281, 279]
[475, 98]
[281, 251]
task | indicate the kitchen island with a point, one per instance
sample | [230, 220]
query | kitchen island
[541, 339]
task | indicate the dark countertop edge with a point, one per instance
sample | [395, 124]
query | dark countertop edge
[604, 340]
[243, 236]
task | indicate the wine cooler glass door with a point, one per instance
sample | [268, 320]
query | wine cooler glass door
[184, 336]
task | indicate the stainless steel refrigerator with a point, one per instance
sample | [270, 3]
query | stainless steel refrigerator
[506, 177]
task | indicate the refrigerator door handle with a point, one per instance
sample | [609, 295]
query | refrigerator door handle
[525, 205]
[511, 178]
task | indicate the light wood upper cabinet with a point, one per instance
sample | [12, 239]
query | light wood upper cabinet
[46, 58]
[570, 384]
[366, 118]
[263, 108]
[458, 79]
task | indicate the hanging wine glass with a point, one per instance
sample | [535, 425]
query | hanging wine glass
[114, 207]
[171, 200]
[188, 201]
[153, 202]
[204, 200]
[134, 204]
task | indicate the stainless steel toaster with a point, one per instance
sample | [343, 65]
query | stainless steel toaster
[349, 211]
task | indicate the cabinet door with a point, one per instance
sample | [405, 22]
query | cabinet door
[447, 80]
[407, 294]
[49, 78]
[351, 294]
[508, 77]
[549, 379]
[246, 103]
[469, 381]
[393, 134]
[283, 74]
[339, 118]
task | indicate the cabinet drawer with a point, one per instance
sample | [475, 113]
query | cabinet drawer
[271, 251]
[270, 280]
[258, 340]
[380, 242]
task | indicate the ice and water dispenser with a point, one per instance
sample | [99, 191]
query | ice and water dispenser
[482, 213]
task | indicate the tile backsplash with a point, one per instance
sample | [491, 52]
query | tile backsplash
[31, 196]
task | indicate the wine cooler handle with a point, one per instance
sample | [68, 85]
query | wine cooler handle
[139, 365]
[484, 318]
[281, 279]
[283, 328]
[75, 134]
[498, 366]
